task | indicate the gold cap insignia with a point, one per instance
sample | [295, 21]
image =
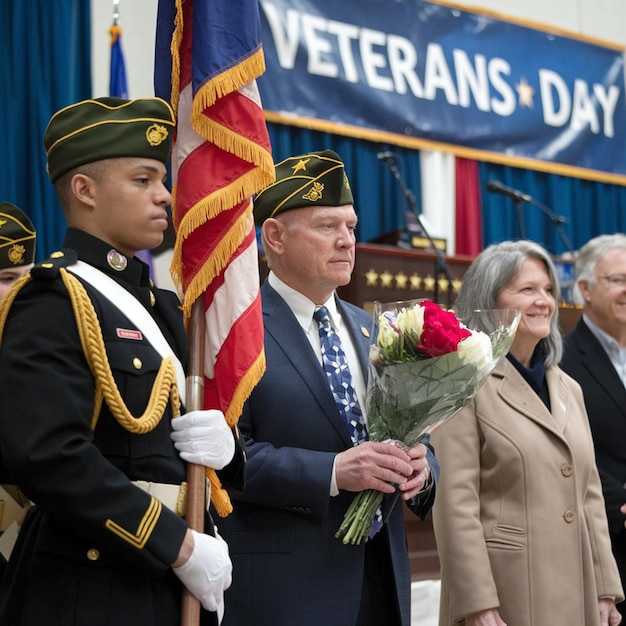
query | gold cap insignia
[315, 193]
[156, 134]
[16, 253]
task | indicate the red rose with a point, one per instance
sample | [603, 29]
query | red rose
[442, 331]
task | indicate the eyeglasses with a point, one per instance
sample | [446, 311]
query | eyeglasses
[615, 280]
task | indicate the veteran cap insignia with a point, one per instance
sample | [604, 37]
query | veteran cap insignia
[156, 134]
[315, 193]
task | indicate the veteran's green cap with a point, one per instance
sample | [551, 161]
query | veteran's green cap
[17, 237]
[313, 179]
[106, 128]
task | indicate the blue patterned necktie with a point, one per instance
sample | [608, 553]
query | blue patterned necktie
[340, 381]
[339, 378]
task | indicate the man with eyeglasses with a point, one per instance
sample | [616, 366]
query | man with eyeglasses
[595, 355]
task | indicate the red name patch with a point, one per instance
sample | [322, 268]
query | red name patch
[125, 333]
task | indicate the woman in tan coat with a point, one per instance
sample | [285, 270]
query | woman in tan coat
[519, 517]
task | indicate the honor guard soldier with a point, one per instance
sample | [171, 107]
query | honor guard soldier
[92, 360]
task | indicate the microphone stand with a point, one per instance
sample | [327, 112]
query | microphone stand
[558, 221]
[520, 220]
[441, 266]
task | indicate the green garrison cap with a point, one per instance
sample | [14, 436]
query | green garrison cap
[314, 179]
[17, 237]
[106, 128]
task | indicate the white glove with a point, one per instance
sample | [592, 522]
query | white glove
[204, 438]
[208, 571]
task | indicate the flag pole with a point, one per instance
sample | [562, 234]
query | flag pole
[196, 477]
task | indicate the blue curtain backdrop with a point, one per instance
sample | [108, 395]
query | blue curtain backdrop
[589, 208]
[45, 64]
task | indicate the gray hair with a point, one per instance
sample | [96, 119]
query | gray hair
[492, 270]
[593, 251]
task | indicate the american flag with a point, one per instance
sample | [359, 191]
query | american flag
[208, 56]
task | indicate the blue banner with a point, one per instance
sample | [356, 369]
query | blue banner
[421, 74]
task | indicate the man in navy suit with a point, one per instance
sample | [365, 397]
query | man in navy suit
[303, 470]
[595, 355]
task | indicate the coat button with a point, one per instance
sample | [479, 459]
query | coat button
[568, 516]
[93, 554]
[566, 470]
[137, 364]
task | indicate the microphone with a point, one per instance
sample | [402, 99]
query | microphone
[386, 156]
[498, 187]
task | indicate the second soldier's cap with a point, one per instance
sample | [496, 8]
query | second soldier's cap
[313, 179]
[17, 237]
[106, 128]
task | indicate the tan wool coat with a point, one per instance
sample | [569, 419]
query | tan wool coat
[519, 517]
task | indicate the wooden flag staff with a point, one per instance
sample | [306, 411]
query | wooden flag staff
[197, 497]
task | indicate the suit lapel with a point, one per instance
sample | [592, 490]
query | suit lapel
[596, 361]
[559, 397]
[525, 401]
[281, 324]
[360, 336]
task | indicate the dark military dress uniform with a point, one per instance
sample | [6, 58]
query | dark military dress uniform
[95, 549]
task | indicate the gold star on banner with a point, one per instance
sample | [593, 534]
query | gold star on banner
[300, 166]
[371, 278]
[415, 281]
[456, 283]
[429, 283]
[385, 279]
[401, 280]
[526, 93]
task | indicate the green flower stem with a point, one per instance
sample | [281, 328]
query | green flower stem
[359, 518]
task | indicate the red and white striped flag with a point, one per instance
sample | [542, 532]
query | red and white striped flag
[221, 158]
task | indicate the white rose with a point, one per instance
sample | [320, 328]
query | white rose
[476, 349]
[411, 320]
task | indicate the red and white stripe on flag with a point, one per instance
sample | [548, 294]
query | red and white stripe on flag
[221, 158]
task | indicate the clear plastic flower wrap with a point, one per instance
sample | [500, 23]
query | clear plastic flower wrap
[425, 365]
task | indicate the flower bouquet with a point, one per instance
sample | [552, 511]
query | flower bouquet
[425, 365]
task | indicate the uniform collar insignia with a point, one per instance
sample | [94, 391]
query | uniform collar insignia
[117, 261]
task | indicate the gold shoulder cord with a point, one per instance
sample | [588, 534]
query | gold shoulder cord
[163, 390]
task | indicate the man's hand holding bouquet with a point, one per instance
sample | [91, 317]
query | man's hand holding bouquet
[425, 365]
